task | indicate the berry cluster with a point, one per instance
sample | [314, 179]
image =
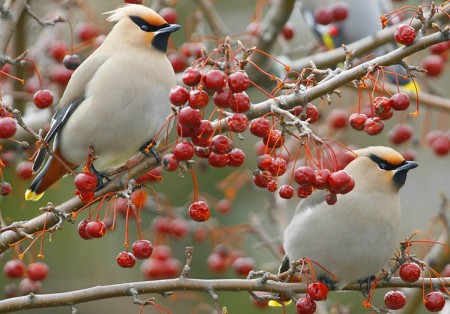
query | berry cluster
[435, 62]
[316, 291]
[222, 258]
[31, 274]
[336, 12]
[161, 264]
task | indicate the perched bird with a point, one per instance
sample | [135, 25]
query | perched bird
[354, 238]
[116, 101]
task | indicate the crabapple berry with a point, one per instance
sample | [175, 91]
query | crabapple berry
[305, 306]
[274, 139]
[86, 182]
[82, 229]
[394, 300]
[218, 160]
[8, 127]
[178, 95]
[214, 80]
[260, 127]
[304, 175]
[340, 11]
[43, 98]
[381, 105]
[339, 181]
[317, 291]
[216, 263]
[95, 229]
[331, 198]
[169, 162]
[434, 301]
[191, 76]
[240, 102]
[304, 190]
[286, 191]
[237, 157]
[400, 101]
[221, 144]
[312, 113]
[5, 188]
[357, 121]
[433, 64]
[237, 122]
[169, 14]
[14, 268]
[24, 169]
[338, 119]
[189, 117]
[27, 286]
[71, 62]
[373, 126]
[238, 81]
[321, 178]
[410, 272]
[37, 271]
[199, 211]
[323, 16]
[277, 167]
[224, 98]
[198, 98]
[184, 151]
[405, 34]
[125, 259]
[261, 178]
[288, 32]
[400, 133]
[243, 265]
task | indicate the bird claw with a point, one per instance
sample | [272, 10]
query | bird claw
[150, 151]
[367, 282]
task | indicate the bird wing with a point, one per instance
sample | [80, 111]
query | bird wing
[314, 199]
[74, 95]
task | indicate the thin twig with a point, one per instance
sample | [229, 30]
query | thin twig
[41, 21]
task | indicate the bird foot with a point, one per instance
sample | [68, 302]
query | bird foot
[102, 178]
[366, 284]
[330, 283]
[148, 150]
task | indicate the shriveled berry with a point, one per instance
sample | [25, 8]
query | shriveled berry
[321, 179]
[277, 167]
[381, 105]
[237, 157]
[218, 160]
[304, 175]
[357, 121]
[405, 34]
[260, 127]
[373, 126]
[286, 191]
[169, 162]
[261, 178]
[238, 81]
[240, 102]
[331, 198]
[125, 259]
[264, 161]
[199, 211]
[221, 144]
[317, 291]
[312, 113]
[274, 139]
[237, 122]
[272, 186]
[394, 300]
[305, 306]
[304, 190]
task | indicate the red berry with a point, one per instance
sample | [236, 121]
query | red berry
[60, 74]
[304, 175]
[191, 76]
[237, 157]
[331, 198]
[95, 229]
[71, 62]
[37, 271]
[184, 151]
[400, 101]
[86, 182]
[214, 80]
[373, 126]
[274, 139]
[191, 49]
[125, 259]
[238, 81]
[434, 301]
[142, 249]
[434, 65]
[409, 154]
[304, 190]
[433, 135]
[8, 127]
[381, 105]
[43, 98]
[441, 145]
[58, 50]
[272, 185]
[340, 11]
[199, 211]
[11, 291]
[243, 265]
[204, 130]
[178, 95]
[305, 306]
[224, 98]
[323, 16]
[317, 291]
[169, 14]
[218, 160]
[394, 300]
[25, 170]
[153, 175]
[237, 122]
[260, 127]
[14, 268]
[169, 162]
[405, 34]
[439, 48]
[179, 227]
[189, 117]
[216, 263]
[240, 102]
[82, 229]
[400, 133]
[5, 188]
[184, 131]
[177, 61]
[86, 31]
[198, 99]
[221, 144]
[339, 181]
[261, 178]
[288, 32]
[312, 113]
[277, 167]
[264, 161]
[321, 179]
[410, 272]
[357, 121]
[286, 191]
[139, 198]
[153, 268]
[338, 119]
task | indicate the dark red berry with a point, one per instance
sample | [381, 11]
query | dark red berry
[199, 211]
[95, 229]
[71, 62]
[405, 34]
[184, 151]
[237, 157]
[243, 265]
[312, 113]
[240, 102]
[142, 249]
[125, 259]
[264, 161]
[224, 206]
[237, 122]
[198, 98]
[434, 301]
[323, 16]
[339, 181]
[304, 190]
[410, 272]
[381, 105]
[24, 170]
[439, 48]
[338, 119]
[304, 175]
[218, 160]
[14, 268]
[191, 76]
[169, 162]
[221, 144]
[177, 61]
[400, 101]
[394, 300]
[178, 95]
[37, 271]
[224, 98]
[340, 11]
[189, 117]
[58, 50]
[86, 31]
[321, 179]
[260, 127]
[373, 126]
[169, 14]
[86, 182]
[5, 188]
[214, 80]
[238, 81]
[216, 263]
[331, 198]
[286, 191]
[433, 64]
[8, 127]
[204, 130]
[400, 133]
[288, 32]
[305, 306]
[261, 178]
[82, 229]
[357, 121]
[277, 167]
[43, 98]
[274, 139]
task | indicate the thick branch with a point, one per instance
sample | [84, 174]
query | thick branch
[178, 284]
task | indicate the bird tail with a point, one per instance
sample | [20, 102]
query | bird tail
[49, 174]
[284, 299]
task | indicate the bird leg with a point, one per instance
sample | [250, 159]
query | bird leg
[365, 285]
[100, 177]
[148, 150]
[330, 283]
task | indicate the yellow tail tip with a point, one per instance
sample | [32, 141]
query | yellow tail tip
[32, 196]
[273, 303]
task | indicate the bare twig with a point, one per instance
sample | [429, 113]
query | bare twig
[41, 21]
[218, 27]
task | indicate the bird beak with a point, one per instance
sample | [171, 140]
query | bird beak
[169, 29]
[407, 166]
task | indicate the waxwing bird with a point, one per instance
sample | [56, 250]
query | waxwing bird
[116, 101]
[354, 238]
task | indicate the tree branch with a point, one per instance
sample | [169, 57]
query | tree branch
[8, 21]
[218, 27]
[34, 301]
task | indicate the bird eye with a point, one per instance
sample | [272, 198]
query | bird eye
[145, 28]
[383, 165]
